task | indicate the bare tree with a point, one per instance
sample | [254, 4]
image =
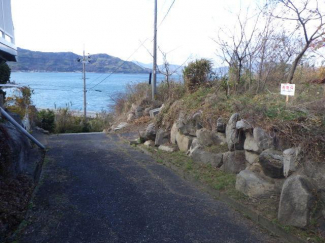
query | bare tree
[235, 45]
[308, 18]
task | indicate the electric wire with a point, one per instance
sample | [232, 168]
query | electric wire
[167, 13]
[119, 65]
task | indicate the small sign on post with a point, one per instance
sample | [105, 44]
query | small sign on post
[288, 90]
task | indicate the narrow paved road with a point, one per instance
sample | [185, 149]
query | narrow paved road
[95, 188]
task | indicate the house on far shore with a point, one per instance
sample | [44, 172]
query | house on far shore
[8, 49]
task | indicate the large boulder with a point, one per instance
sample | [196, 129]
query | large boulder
[221, 137]
[162, 137]
[250, 144]
[154, 112]
[234, 162]
[296, 201]
[120, 126]
[259, 142]
[184, 142]
[272, 163]
[289, 161]
[253, 185]
[149, 133]
[194, 145]
[146, 111]
[189, 125]
[200, 156]
[235, 138]
[221, 125]
[149, 143]
[139, 112]
[206, 137]
[131, 117]
[167, 148]
[250, 157]
[173, 133]
[243, 125]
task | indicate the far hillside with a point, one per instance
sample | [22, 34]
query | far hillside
[67, 62]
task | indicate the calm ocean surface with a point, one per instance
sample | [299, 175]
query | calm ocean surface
[59, 89]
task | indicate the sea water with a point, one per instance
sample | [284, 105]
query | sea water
[54, 90]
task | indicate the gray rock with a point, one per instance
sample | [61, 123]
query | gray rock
[134, 142]
[235, 138]
[251, 157]
[154, 112]
[243, 125]
[139, 112]
[255, 167]
[121, 126]
[253, 185]
[134, 107]
[207, 138]
[221, 137]
[263, 140]
[221, 125]
[316, 171]
[234, 162]
[272, 163]
[250, 143]
[184, 142]
[187, 127]
[131, 117]
[289, 161]
[162, 137]
[296, 201]
[259, 141]
[173, 133]
[146, 111]
[195, 144]
[149, 143]
[149, 133]
[166, 148]
[203, 157]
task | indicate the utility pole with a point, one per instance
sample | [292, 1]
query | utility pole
[84, 60]
[154, 80]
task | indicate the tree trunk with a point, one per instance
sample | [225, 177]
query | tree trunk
[296, 62]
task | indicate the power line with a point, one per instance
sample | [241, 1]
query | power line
[119, 65]
[167, 12]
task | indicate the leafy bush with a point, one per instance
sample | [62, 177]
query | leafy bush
[5, 72]
[20, 102]
[197, 73]
[170, 91]
[46, 120]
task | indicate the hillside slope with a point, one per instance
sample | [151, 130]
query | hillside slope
[67, 62]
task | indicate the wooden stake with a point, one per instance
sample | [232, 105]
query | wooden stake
[287, 99]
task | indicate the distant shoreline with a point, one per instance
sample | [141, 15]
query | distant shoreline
[91, 114]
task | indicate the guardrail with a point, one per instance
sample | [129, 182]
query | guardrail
[20, 128]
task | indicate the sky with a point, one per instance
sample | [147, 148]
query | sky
[118, 27]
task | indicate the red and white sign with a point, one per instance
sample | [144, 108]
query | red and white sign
[288, 89]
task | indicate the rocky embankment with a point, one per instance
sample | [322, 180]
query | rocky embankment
[265, 164]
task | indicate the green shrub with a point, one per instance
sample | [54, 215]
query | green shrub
[197, 73]
[46, 119]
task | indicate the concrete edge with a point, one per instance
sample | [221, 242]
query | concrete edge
[254, 216]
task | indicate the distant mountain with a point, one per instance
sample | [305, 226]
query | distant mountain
[67, 62]
[172, 67]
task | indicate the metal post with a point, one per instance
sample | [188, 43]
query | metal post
[84, 78]
[154, 80]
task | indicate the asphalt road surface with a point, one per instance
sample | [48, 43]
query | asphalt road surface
[95, 188]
